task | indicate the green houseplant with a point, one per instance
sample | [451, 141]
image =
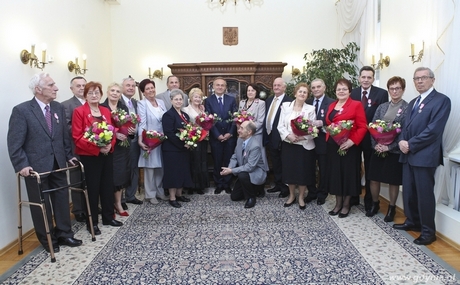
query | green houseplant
[328, 65]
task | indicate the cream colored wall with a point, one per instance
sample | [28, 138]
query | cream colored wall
[178, 31]
[68, 28]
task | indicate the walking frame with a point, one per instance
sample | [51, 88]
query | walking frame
[72, 186]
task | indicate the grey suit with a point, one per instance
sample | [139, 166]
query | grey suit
[30, 143]
[423, 131]
[245, 163]
[77, 197]
[167, 99]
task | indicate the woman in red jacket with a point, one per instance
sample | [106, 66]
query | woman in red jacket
[344, 171]
[97, 160]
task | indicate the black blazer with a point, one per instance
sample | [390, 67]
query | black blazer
[172, 122]
[320, 141]
[377, 96]
[273, 139]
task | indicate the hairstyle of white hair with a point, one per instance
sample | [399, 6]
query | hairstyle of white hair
[36, 80]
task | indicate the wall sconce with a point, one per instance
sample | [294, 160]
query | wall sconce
[31, 57]
[71, 66]
[157, 73]
[383, 61]
[420, 53]
[296, 72]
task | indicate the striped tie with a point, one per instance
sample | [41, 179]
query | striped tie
[48, 118]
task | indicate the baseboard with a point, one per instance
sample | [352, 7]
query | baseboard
[15, 243]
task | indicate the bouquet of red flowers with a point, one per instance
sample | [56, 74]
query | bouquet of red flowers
[206, 121]
[124, 121]
[100, 133]
[241, 116]
[192, 134]
[340, 132]
[152, 139]
[302, 127]
[384, 133]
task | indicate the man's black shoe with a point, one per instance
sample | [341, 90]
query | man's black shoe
[81, 217]
[72, 242]
[283, 195]
[55, 248]
[406, 227]
[274, 190]
[424, 240]
[135, 201]
[251, 202]
[320, 201]
[218, 190]
[113, 223]
[228, 190]
[96, 229]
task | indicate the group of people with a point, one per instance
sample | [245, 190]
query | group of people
[39, 140]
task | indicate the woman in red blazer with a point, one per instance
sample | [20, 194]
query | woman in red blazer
[344, 172]
[98, 161]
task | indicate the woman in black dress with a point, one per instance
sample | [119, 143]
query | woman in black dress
[176, 155]
[388, 169]
[121, 157]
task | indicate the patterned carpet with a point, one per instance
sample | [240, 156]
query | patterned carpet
[213, 240]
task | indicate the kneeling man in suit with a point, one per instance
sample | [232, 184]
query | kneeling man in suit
[247, 164]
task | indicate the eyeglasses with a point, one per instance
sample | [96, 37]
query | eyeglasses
[395, 89]
[423, 78]
[94, 93]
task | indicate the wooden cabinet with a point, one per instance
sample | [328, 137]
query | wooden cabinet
[237, 75]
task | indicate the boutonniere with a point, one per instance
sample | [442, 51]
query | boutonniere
[56, 117]
[369, 102]
[340, 111]
[421, 107]
[244, 154]
[399, 112]
[103, 118]
[322, 113]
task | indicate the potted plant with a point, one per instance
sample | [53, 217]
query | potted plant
[328, 65]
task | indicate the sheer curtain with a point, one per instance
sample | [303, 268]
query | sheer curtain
[442, 56]
[353, 22]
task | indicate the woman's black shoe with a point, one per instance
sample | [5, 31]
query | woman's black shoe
[332, 213]
[374, 209]
[302, 207]
[289, 204]
[182, 199]
[390, 214]
[344, 215]
[174, 203]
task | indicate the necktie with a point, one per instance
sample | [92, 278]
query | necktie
[270, 115]
[243, 148]
[130, 104]
[415, 106]
[364, 99]
[48, 118]
[316, 107]
[221, 106]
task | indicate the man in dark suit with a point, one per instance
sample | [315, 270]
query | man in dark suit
[272, 138]
[38, 140]
[129, 89]
[172, 83]
[371, 97]
[247, 164]
[321, 103]
[421, 147]
[77, 86]
[222, 135]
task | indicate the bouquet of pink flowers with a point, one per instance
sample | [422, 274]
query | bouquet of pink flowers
[241, 116]
[124, 121]
[192, 134]
[206, 121]
[384, 133]
[340, 133]
[302, 127]
[152, 139]
[100, 133]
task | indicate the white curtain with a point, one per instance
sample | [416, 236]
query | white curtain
[353, 21]
[442, 56]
